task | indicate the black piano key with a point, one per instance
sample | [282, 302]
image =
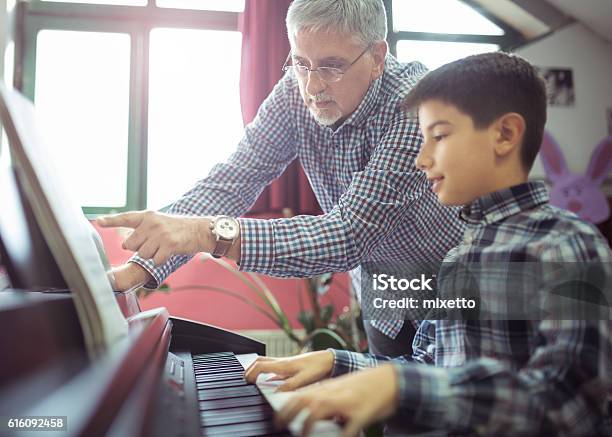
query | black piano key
[221, 384]
[229, 416]
[242, 429]
[213, 374]
[214, 354]
[223, 363]
[217, 363]
[202, 359]
[213, 369]
[228, 392]
[219, 377]
[218, 404]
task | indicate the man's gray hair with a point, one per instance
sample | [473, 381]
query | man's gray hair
[366, 20]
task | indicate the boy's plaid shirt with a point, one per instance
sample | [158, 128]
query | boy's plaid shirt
[377, 204]
[508, 377]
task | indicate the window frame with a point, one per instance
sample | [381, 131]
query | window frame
[136, 21]
[510, 39]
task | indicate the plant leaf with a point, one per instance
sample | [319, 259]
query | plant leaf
[323, 338]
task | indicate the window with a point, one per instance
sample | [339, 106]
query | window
[127, 85]
[206, 5]
[89, 73]
[436, 32]
[125, 89]
[434, 54]
[208, 119]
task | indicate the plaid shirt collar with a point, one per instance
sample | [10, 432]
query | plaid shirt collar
[499, 205]
[368, 103]
[364, 110]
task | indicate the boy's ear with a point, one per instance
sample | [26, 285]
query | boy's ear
[510, 130]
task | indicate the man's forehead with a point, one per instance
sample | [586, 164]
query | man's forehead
[323, 45]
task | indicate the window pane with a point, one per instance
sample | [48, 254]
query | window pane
[436, 53]
[195, 119]
[205, 5]
[441, 16]
[5, 157]
[104, 2]
[82, 96]
[9, 63]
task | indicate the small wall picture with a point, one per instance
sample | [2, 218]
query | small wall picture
[609, 120]
[559, 86]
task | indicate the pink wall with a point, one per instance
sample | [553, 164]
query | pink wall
[218, 309]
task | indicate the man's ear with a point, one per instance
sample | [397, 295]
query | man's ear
[379, 54]
[510, 131]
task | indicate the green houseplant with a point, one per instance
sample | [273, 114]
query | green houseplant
[322, 327]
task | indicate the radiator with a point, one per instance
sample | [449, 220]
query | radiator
[277, 343]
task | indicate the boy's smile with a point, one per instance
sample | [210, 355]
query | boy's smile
[459, 159]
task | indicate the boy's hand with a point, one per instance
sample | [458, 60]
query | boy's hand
[359, 399]
[296, 371]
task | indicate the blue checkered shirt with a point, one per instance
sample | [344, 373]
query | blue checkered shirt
[509, 377]
[376, 204]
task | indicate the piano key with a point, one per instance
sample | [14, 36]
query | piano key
[215, 369]
[215, 354]
[219, 378]
[209, 385]
[233, 361]
[236, 415]
[227, 393]
[204, 358]
[243, 430]
[217, 404]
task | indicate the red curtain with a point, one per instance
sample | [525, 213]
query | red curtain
[264, 49]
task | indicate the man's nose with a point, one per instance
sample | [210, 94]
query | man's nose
[314, 83]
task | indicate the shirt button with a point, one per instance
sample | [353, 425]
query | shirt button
[468, 238]
[431, 349]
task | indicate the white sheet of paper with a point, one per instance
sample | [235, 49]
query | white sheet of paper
[63, 224]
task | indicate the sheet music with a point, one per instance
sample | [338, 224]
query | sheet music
[63, 224]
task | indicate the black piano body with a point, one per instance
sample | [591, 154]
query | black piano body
[146, 384]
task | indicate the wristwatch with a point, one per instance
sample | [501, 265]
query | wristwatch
[225, 229]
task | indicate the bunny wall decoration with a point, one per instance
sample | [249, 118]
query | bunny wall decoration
[578, 193]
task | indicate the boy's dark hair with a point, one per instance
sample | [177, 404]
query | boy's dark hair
[485, 87]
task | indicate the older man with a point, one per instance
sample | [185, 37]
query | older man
[337, 110]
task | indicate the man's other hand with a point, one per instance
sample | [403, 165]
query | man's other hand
[130, 275]
[159, 236]
[296, 371]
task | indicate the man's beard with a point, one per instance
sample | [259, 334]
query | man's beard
[326, 117]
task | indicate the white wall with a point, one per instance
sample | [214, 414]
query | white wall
[579, 128]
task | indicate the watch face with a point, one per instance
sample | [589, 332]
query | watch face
[226, 228]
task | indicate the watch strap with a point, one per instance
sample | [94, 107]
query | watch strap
[221, 248]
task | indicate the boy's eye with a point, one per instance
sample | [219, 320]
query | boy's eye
[439, 137]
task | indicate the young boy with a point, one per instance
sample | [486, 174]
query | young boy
[482, 120]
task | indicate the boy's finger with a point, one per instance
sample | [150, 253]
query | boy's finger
[352, 428]
[290, 410]
[259, 367]
[322, 410]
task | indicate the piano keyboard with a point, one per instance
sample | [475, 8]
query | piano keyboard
[228, 404]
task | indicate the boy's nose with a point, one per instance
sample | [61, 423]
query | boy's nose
[422, 162]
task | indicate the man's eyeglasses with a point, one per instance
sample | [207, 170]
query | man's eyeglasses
[327, 74]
